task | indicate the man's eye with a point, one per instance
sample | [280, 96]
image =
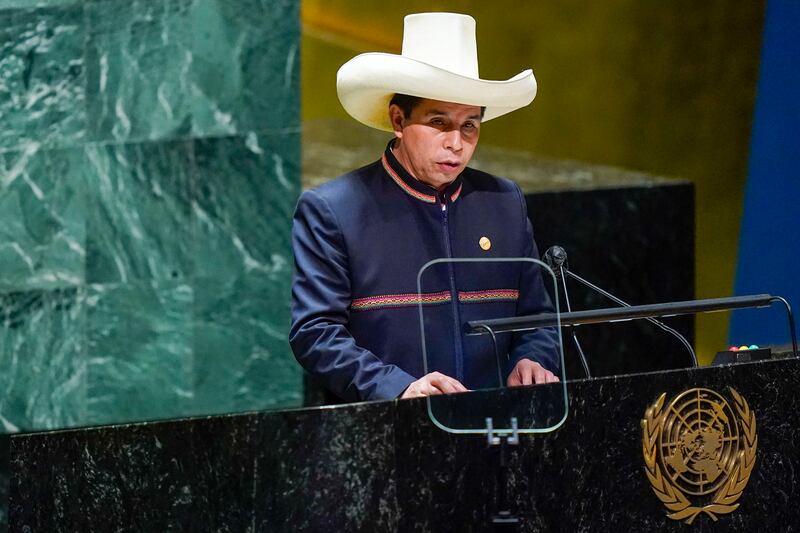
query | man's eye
[469, 125]
[437, 122]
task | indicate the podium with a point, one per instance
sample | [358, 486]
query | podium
[384, 466]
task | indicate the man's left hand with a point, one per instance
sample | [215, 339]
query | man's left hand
[528, 372]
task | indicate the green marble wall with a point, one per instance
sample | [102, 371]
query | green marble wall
[149, 167]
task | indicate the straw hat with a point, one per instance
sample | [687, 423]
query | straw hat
[439, 60]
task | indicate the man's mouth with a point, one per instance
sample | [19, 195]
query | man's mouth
[448, 165]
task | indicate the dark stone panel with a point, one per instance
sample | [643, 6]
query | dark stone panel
[5, 444]
[636, 242]
[385, 466]
[588, 475]
[140, 478]
[456, 475]
[341, 480]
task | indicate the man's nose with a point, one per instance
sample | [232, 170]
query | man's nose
[452, 140]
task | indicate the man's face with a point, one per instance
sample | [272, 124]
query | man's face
[437, 141]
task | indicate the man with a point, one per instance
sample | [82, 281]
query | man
[360, 240]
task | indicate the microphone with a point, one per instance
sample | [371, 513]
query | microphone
[556, 259]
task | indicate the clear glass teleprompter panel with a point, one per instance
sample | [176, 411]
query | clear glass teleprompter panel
[473, 329]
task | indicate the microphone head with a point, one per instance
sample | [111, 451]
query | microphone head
[555, 257]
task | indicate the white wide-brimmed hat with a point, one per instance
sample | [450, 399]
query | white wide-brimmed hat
[439, 60]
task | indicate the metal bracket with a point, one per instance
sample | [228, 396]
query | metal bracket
[494, 438]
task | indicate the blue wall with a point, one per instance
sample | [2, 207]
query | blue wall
[769, 248]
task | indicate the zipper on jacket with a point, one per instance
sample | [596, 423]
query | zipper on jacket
[459, 349]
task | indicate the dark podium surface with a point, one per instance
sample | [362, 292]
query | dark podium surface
[384, 466]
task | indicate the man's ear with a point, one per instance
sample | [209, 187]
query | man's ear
[397, 118]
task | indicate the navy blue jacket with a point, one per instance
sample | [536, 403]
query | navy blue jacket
[359, 242]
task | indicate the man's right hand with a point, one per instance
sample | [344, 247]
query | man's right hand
[431, 384]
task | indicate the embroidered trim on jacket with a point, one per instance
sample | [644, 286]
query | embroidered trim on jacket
[494, 295]
[432, 298]
[399, 300]
[413, 192]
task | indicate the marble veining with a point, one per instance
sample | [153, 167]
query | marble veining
[195, 68]
[15, 4]
[137, 89]
[261, 60]
[43, 378]
[139, 220]
[242, 224]
[177, 256]
[43, 81]
[42, 225]
[139, 356]
[176, 234]
[149, 166]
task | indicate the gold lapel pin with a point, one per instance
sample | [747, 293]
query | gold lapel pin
[485, 243]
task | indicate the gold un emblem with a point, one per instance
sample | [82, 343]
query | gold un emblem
[699, 452]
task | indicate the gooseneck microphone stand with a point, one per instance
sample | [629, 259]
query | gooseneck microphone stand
[556, 259]
[652, 320]
[560, 274]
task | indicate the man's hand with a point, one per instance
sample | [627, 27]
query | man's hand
[528, 372]
[431, 384]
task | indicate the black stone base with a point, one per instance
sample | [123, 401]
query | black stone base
[385, 467]
[5, 443]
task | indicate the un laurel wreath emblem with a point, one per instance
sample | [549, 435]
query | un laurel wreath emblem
[699, 452]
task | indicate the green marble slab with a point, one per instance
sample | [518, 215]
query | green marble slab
[139, 214]
[247, 187]
[138, 59]
[149, 168]
[27, 4]
[242, 358]
[42, 219]
[42, 76]
[174, 68]
[256, 45]
[138, 351]
[43, 378]
[246, 191]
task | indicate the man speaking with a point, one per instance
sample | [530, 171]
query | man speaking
[360, 240]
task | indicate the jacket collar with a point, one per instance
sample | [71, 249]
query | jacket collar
[414, 187]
